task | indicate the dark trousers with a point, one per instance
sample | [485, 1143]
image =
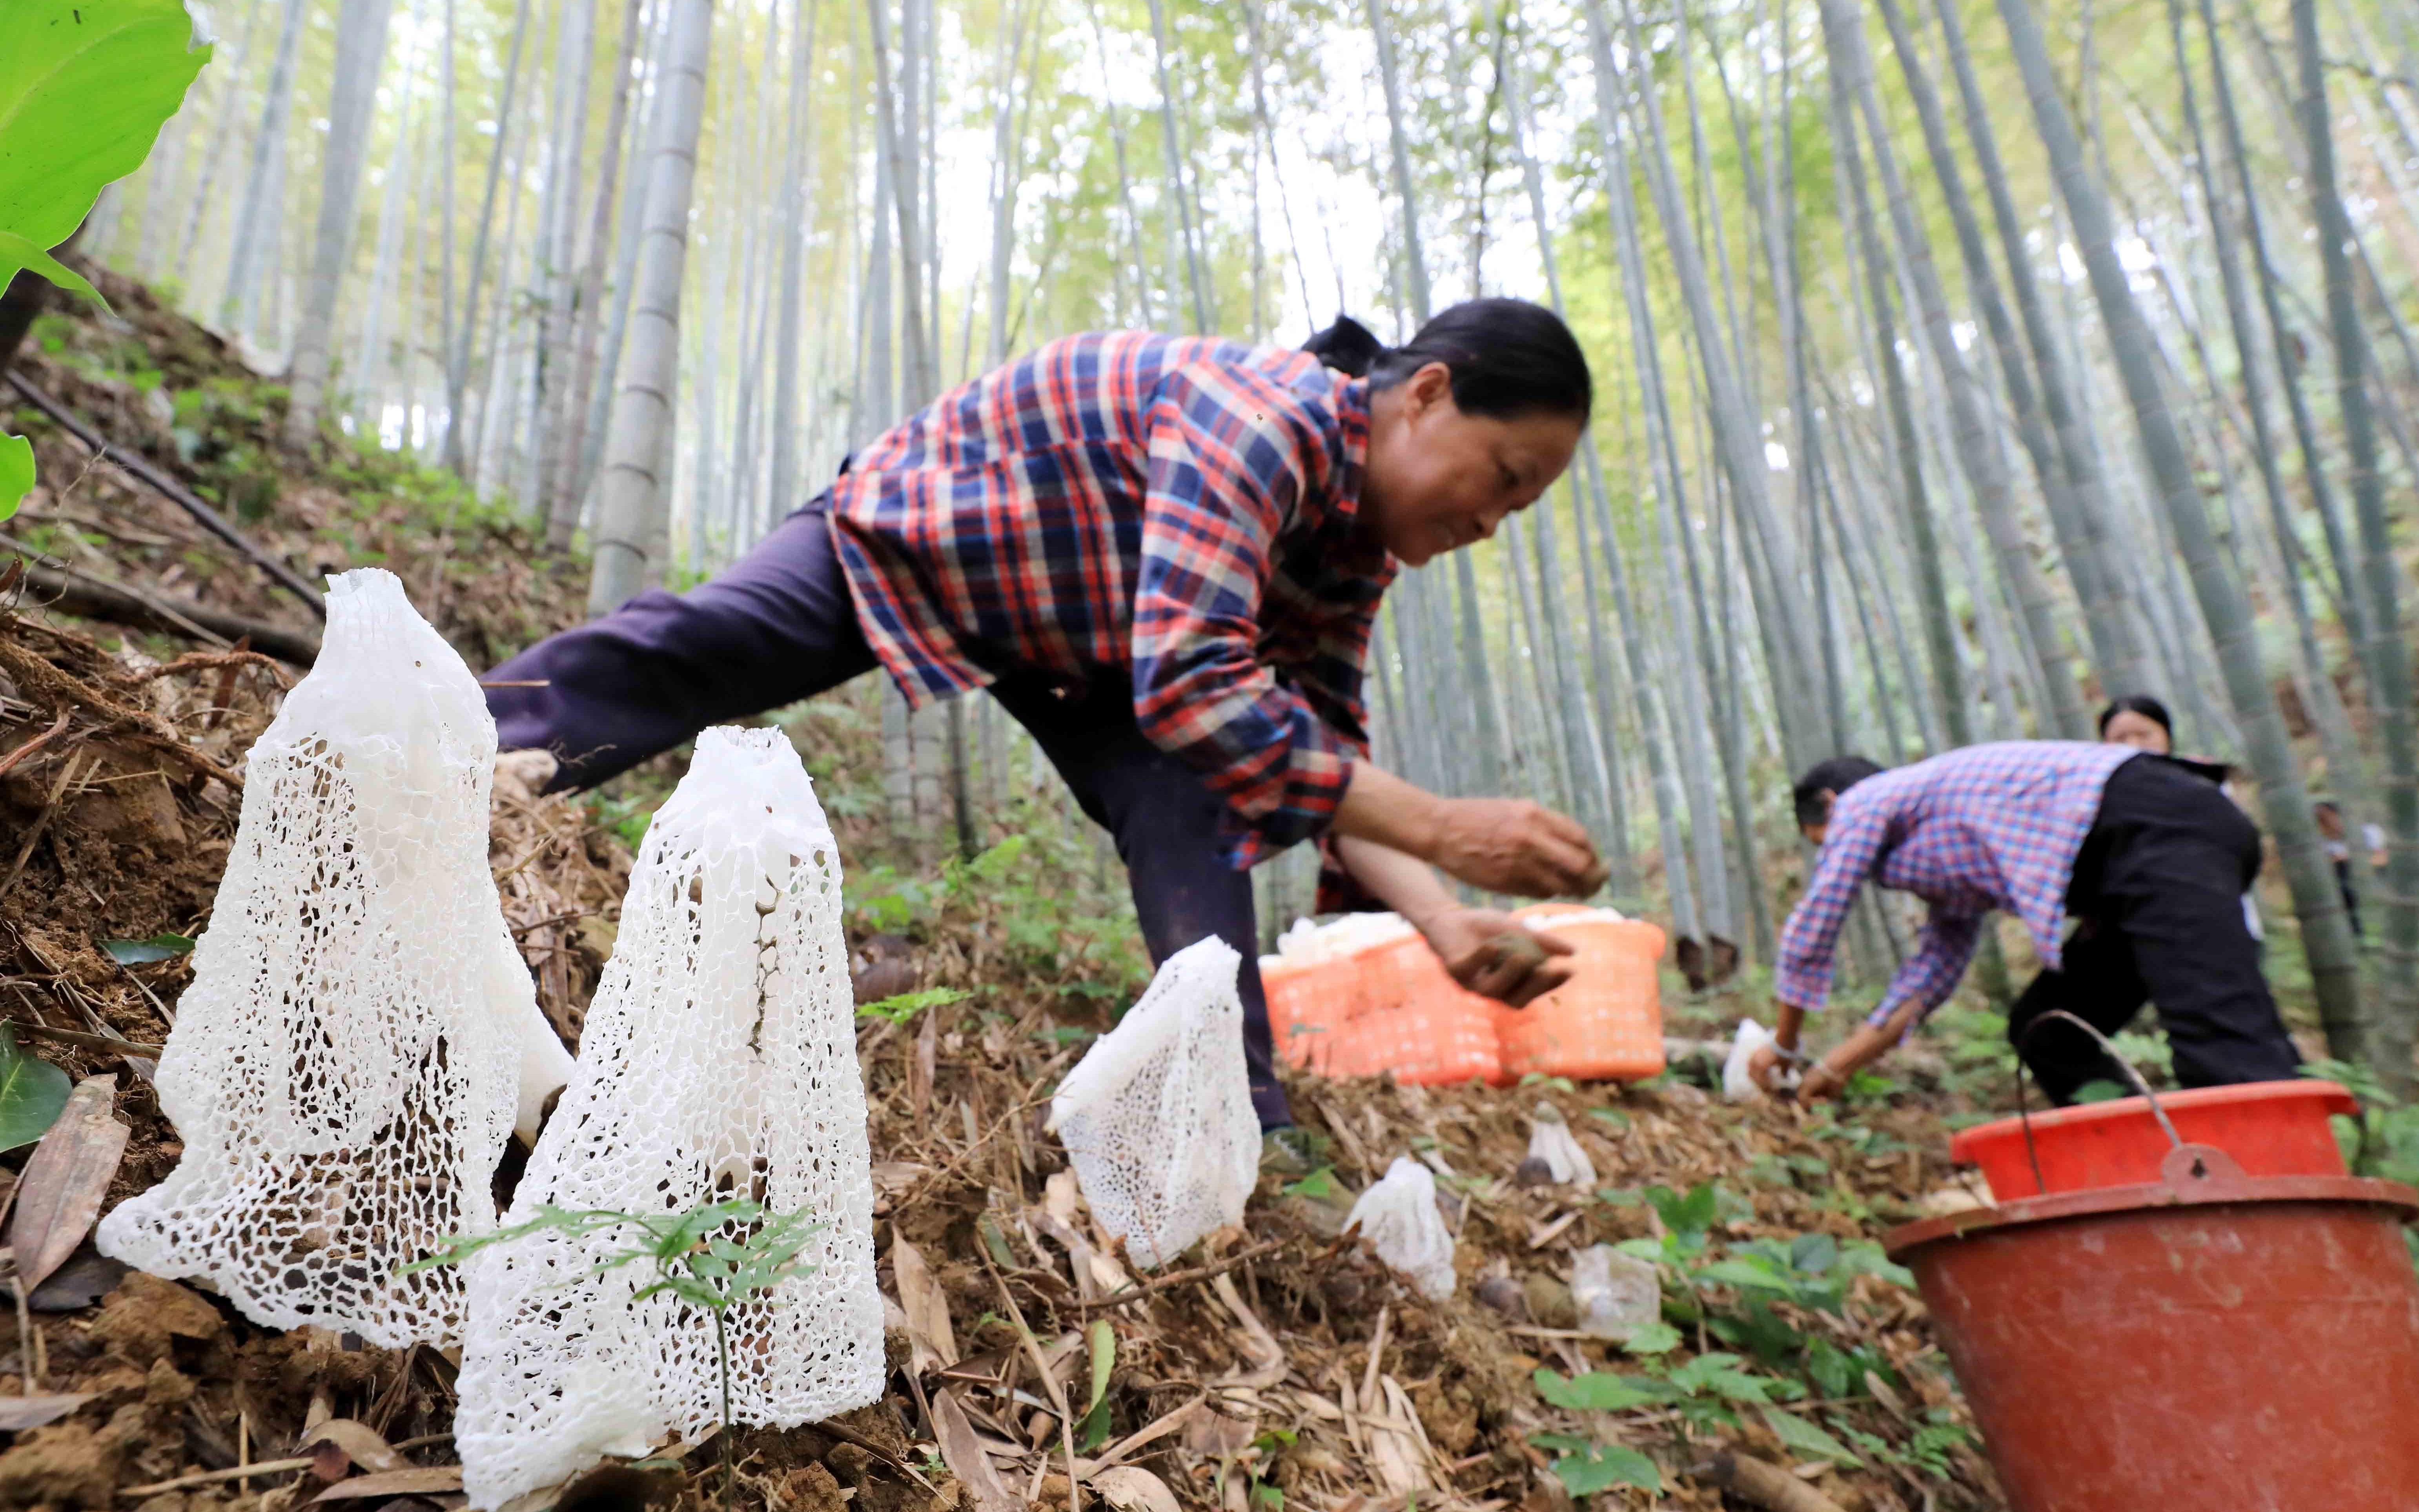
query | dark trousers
[2158, 886]
[781, 625]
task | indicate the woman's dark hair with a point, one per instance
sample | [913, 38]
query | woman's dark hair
[1825, 781]
[1349, 346]
[2143, 704]
[1508, 358]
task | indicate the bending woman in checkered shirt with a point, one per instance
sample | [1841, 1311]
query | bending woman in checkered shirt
[2147, 853]
[1164, 556]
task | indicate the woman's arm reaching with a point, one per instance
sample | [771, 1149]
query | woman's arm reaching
[1500, 844]
[1470, 941]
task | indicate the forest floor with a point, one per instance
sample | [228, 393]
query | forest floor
[1282, 1365]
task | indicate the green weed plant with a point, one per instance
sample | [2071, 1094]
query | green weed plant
[711, 1257]
[1752, 1298]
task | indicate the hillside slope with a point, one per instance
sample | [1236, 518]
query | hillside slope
[1284, 1364]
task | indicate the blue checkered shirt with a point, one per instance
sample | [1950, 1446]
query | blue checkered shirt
[1978, 829]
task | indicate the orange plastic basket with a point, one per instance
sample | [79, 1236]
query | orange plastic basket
[1606, 1024]
[1391, 1008]
[1307, 1005]
[1388, 1007]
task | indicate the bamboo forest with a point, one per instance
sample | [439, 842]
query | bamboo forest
[428, 426]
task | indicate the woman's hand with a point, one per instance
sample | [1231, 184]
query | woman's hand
[1513, 845]
[1495, 955]
[1499, 844]
[1820, 1082]
[1828, 1078]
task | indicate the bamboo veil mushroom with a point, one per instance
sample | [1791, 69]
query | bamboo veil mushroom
[361, 1035]
[717, 1064]
[1157, 1118]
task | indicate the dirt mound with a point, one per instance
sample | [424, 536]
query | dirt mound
[1280, 1365]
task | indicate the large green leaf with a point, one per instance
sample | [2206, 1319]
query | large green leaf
[1595, 1391]
[22, 251]
[85, 88]
[1654, 1336]
[1585, 1469]
[1807, 1439]
[16, 472]
[1691, 1214]
[1814, 1253]
[1756, 1274]
[32, 1093]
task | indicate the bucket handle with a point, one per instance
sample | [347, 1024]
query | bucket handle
[2024, 1113]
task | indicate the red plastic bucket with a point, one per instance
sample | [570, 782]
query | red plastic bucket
[2269, 1128]
[2206, 1342]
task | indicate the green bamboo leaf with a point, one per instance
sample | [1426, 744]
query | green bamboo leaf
[1104, 1359]
[1093, 1431]
[33, 1093]
[142, 952]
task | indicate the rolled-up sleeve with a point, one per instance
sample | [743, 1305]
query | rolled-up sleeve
[1226, 467]
[1949, 938]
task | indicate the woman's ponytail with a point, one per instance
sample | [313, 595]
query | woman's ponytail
[1347, 347]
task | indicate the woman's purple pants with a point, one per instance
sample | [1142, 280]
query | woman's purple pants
[780, 626]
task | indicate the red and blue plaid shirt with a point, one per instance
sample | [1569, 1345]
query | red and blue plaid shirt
[1179, 508]
[1978, 829]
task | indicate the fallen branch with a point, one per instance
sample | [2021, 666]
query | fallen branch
[109, 1043]
[1180, 1278]
[262, 1466]
[848, 1435]
[1765, 1484]
[34, 835]
[34, 744]
[175, 492]
[99, 598]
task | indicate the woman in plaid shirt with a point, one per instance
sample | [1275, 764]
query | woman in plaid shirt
[1164, 556]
